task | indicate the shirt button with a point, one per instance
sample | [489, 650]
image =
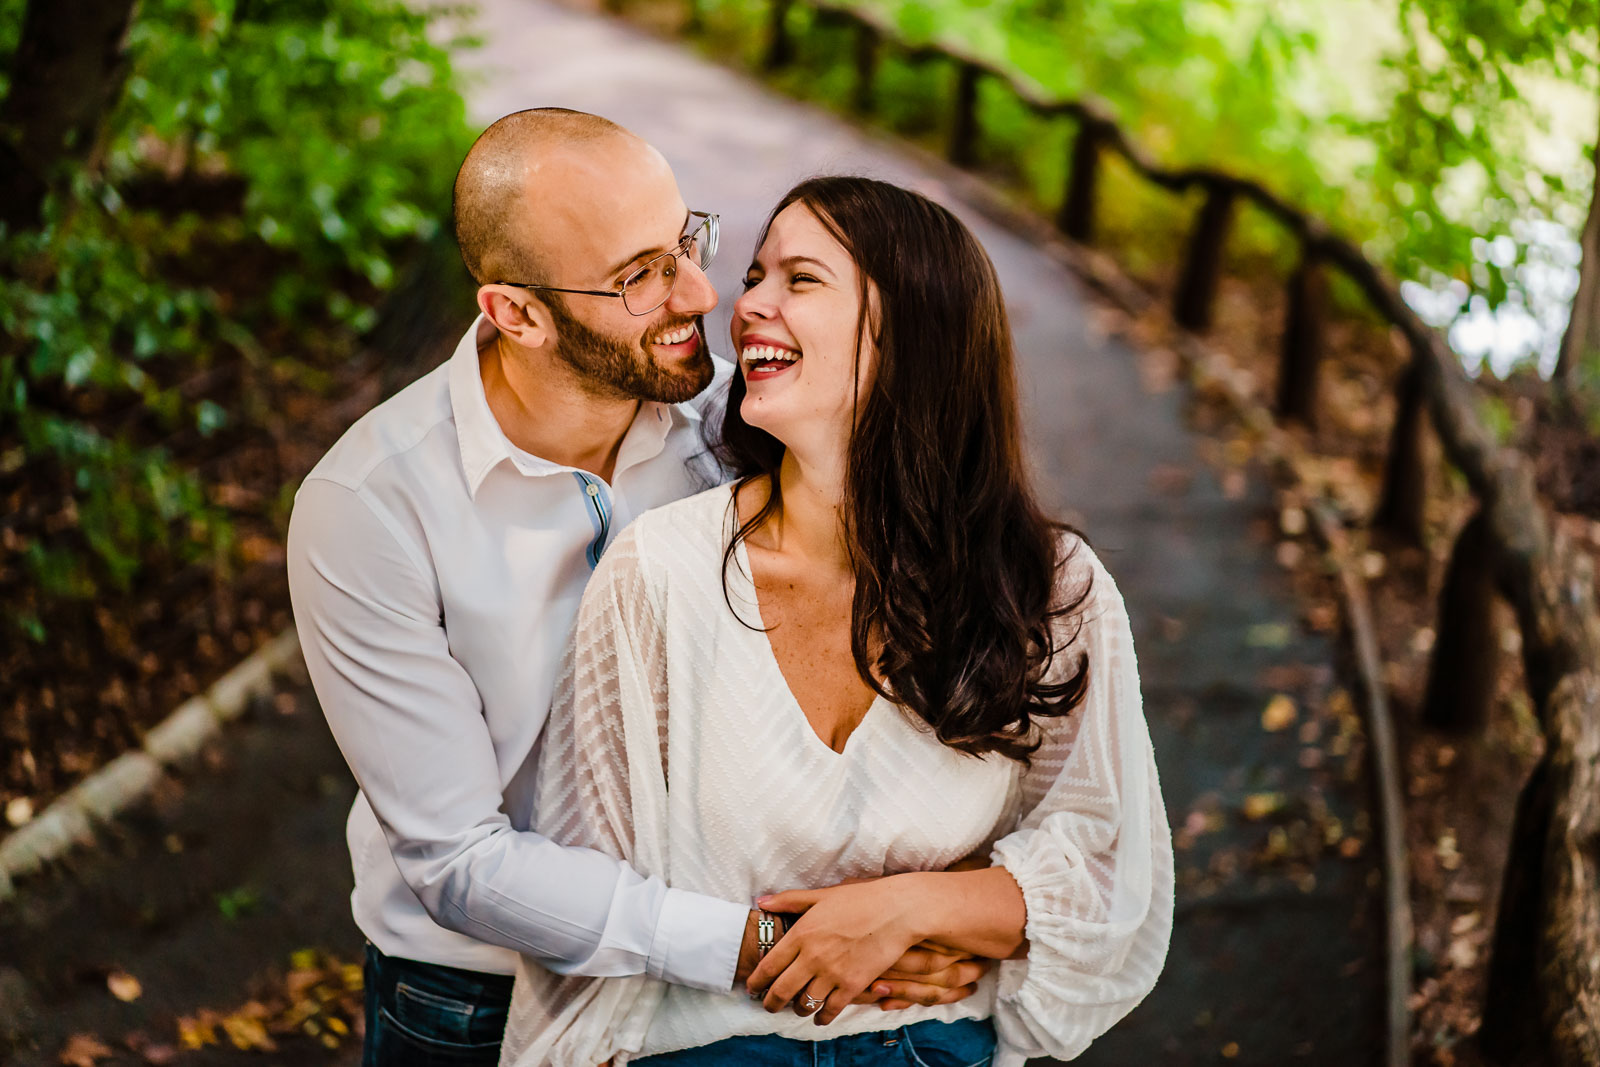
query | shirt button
[594, 490]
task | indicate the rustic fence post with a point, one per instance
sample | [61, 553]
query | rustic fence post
[1466, 652]
[1511, 1023]
[780, 46]
[964, 122]
[1400, 503]
[1302, 338]
[1202, 267]
[1544, 978]
[1076, 218]
[867, 44]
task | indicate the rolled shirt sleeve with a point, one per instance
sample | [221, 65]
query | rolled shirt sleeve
[409, 721]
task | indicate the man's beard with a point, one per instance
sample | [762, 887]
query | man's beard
[614, 368]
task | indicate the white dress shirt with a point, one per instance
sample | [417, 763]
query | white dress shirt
[435, 571]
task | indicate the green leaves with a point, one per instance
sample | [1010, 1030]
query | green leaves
[341, 121]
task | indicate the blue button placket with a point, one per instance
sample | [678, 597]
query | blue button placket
[599, 504]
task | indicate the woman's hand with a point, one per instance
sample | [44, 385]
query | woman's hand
[845, 938]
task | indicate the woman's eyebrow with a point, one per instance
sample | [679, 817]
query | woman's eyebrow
[791, 261]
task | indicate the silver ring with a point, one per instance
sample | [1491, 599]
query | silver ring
[814, 1004]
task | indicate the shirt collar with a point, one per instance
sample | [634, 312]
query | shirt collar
[484, 444]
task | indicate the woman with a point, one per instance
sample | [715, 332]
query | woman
[868, 658]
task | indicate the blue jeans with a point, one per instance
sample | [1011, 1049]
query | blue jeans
[964, 1043]
[426, 1014]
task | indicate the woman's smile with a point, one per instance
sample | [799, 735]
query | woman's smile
[763, 358]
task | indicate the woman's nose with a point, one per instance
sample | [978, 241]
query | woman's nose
[753, 304]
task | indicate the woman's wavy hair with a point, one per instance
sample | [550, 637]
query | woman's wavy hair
[957, 599]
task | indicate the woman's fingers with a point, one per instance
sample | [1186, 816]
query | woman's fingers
[788, 986]
[812, 999]
[792, 902]
[777, 960]
[837, 1001]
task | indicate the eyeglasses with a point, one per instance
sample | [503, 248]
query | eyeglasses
[650, 286]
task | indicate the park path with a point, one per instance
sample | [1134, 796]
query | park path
[1264, 968]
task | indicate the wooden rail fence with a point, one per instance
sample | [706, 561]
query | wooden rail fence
[1544, 998]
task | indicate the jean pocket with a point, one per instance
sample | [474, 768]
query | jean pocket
[963, 1043]
[398, 1045]
[434, 1019]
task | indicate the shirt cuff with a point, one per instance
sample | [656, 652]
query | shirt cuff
[697, 941]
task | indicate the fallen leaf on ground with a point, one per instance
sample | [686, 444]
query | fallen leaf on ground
[247, 1032]
[198, 1031]
[1279, 713]
[19, 811]
[154, 1053]
[124, 986]
[1269, 635]
[1462, 954]
[1260, 805]
[84, 1050]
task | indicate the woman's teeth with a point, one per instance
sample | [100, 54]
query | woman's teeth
[762, 353]
[678, 336]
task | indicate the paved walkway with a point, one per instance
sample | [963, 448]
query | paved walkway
[1264, 968]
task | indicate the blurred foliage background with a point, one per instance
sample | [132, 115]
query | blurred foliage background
[261, 171]
[1453, 140]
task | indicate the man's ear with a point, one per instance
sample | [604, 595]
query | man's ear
[528, 325]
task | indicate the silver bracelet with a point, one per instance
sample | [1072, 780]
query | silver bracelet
[766, 933]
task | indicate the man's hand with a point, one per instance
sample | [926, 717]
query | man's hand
[926, 975]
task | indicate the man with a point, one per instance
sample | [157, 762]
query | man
[436, 558]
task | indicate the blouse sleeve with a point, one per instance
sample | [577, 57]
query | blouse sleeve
[600, 785]
[1092, 852]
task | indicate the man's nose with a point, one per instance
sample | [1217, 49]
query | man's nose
[693, 294]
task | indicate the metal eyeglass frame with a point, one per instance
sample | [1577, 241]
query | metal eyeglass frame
[713, 233]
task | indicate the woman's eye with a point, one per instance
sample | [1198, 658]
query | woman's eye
[749, 283]
[796, 278]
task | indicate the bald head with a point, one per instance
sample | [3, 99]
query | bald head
[533, 175]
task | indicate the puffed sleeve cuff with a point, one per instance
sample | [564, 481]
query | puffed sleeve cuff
[697, 941]
[1092, 956]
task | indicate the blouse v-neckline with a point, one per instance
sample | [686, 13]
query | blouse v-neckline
[769, 656]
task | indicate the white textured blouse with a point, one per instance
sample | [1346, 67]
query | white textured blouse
[676, 744]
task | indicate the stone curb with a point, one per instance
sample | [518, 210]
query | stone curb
[71, 819]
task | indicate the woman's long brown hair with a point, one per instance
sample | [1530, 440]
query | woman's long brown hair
[957, 601]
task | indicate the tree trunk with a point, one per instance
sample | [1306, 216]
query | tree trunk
[1580, 346]
[67, 72]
